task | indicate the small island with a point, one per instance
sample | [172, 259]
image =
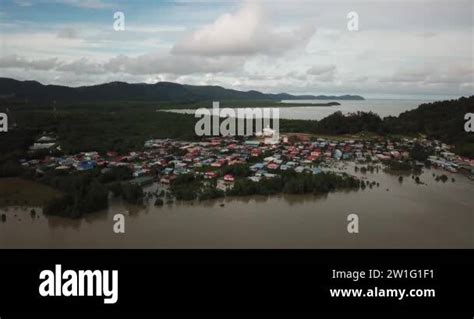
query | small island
[296, 103]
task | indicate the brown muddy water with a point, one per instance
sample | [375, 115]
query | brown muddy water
[394, 215]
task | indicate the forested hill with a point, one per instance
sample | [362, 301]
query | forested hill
[35, 92]
[443, 120]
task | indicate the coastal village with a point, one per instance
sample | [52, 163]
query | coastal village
[163, 160]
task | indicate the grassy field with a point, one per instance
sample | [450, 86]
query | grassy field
[17, 191]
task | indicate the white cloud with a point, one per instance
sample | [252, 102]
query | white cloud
[322, 72]
[147, 64]
[269, 46]
[246, 32]
[456, 74]
[81, 66]
[170, 64]
[321, 69]
[68, 33]
[15, 61]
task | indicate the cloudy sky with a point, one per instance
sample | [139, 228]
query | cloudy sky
[413, 48]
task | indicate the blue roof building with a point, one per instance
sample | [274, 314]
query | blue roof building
[86, 165]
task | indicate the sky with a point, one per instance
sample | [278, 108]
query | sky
[402, 48]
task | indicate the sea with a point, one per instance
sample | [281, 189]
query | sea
[308, 111]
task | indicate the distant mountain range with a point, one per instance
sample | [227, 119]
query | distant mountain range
[35, 92]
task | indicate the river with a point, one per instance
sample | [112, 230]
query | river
[393, 215]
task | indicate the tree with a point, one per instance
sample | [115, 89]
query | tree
[419, 153]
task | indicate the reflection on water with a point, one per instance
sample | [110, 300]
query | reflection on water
[394, 215]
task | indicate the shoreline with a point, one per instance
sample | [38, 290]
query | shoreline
[307, 221]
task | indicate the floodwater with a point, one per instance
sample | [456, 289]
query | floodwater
[393, 215]
[307, 111]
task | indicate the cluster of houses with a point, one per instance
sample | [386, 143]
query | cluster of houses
[451, 162]
[164, 159]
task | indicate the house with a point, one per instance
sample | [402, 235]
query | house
[168, 170]
[256, 152]
[299, 169]
[260, 173]
[140, 172]
[181, 171]
[395, 154]
[210, 175]
[229, 178]
[66, 161]
[219, 163]
[86, 165]
[346, 156]
[291, 164]
[273, 166]
[257, 166]
[269, 175]
[252, 143]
